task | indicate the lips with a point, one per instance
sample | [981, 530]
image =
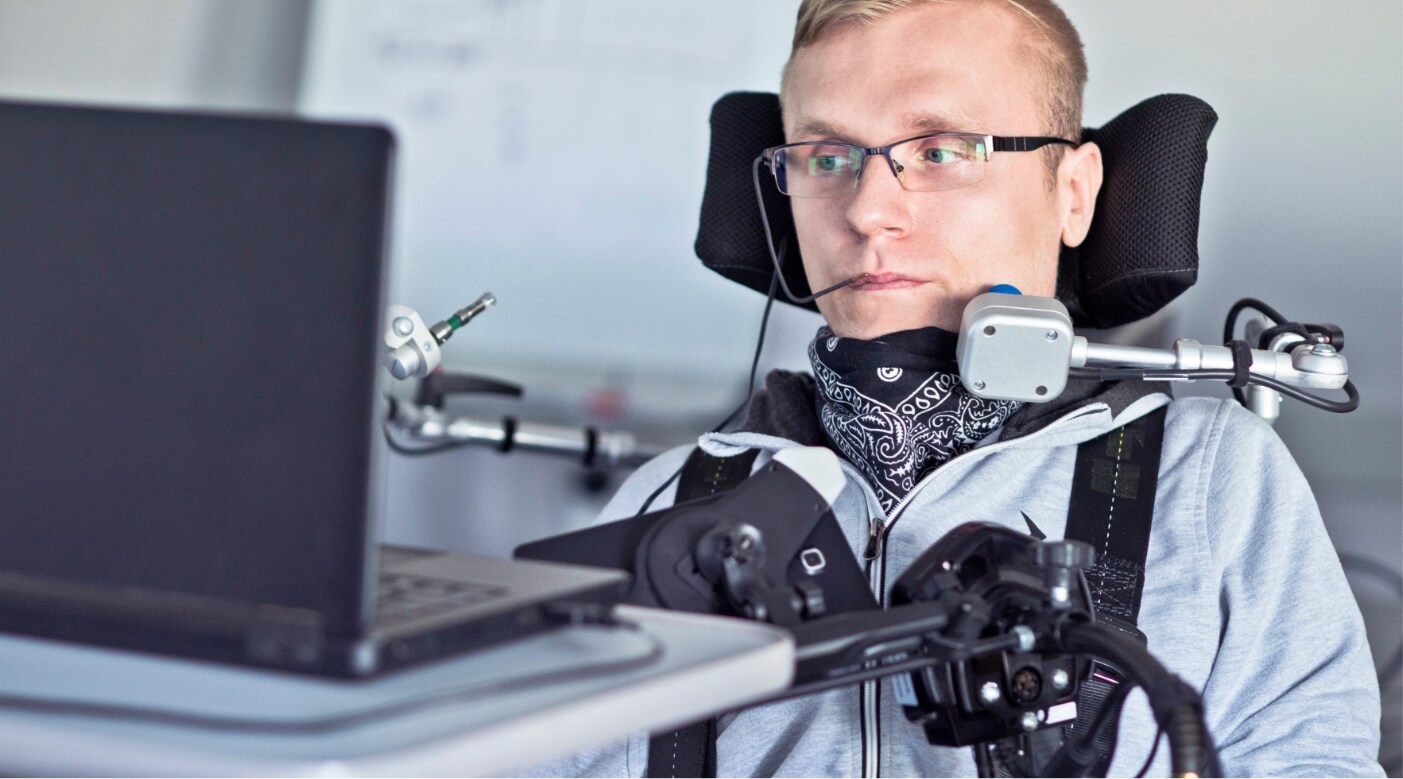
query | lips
[876, 282]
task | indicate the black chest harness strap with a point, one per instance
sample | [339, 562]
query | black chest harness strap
[1111, 508]
[691, 750]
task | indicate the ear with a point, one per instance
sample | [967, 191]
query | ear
[1078, 182]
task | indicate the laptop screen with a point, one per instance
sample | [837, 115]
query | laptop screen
[191, 306]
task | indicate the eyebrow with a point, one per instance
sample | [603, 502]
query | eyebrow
[938, 122]
[916, 123]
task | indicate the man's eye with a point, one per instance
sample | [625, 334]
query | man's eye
[827, 163]
[943, 156]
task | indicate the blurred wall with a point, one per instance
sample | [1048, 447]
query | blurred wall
[239, 54]
[1303, 208]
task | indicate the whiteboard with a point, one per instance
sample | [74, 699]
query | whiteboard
[596, 275]
[554, 153]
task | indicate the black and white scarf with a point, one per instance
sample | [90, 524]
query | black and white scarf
[895, 406]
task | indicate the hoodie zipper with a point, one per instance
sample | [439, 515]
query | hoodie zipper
[876, 555]
[873, 555]
[876, 558]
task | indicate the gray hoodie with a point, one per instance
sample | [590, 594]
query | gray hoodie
[1244, 596]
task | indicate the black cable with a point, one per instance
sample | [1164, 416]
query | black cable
[1162, 374]
[760, 342]
[755, 360]
[735, 412]
[775, 280]
[749, 388]
[1282, 325]
[1335, 406]
[1231, 325]
[1178, 708]
[341, 721]
[1237, 308]
[774, 256]
[1265, 339]
[1154, 750]
[644, 508]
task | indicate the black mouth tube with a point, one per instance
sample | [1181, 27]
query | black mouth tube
[774, 256]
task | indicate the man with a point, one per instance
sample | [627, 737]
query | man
[1243, 595]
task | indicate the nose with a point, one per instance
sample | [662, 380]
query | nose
[878, 207]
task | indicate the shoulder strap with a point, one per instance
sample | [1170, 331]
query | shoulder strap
[705, 474]
[1112, 508]
[691, 750]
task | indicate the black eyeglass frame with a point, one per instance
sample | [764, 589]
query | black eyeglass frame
[994, 143]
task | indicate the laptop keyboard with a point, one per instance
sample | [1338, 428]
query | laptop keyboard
[403, 597]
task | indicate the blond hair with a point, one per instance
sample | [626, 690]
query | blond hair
[1055, 52]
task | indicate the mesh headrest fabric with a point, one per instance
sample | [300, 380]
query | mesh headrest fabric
[1141, 252]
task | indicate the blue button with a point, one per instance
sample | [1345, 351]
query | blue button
[1005, 289]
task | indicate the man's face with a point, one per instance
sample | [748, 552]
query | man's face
[934, 67]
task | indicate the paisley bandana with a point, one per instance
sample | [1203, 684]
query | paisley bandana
[895, 407]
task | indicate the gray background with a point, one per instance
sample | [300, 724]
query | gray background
[1303, 208]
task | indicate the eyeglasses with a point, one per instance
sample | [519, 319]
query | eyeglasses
[926, 163]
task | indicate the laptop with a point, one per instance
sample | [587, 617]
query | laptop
[191, 460]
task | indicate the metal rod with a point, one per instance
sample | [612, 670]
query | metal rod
[1132, 356]
[427, 425]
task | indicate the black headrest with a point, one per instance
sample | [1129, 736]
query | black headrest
[1142, 250]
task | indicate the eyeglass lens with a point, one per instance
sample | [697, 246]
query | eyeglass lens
[932, 163]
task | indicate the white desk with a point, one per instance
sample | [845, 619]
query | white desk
[707, 665]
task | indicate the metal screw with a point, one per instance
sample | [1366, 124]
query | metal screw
[1030, 721]
[403, 325]
[1324, 350]
[1026, 638]
[428, 346]
[1052, 335]
[979, 385]
[990, 693]
[1060, 679]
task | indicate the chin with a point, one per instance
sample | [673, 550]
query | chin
[869, 315]
[869, 329]
[875, 326]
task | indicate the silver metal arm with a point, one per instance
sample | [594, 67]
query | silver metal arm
[1017, 347]
[427, 426]
[413, 353]
[1317, 366]
[1085, 353]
